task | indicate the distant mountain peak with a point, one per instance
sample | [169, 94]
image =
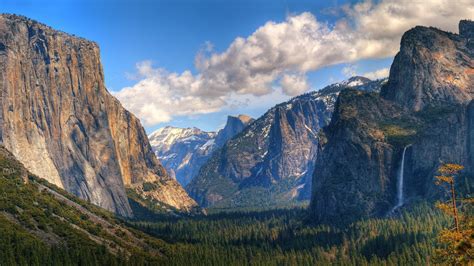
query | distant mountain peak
[234, 125]
[354, 81]
[167, 136]
[243, 118]
[183, 150]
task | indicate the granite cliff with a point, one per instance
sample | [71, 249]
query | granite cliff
[272, 160]
[59, 120]
[426, 106]
[233, 126]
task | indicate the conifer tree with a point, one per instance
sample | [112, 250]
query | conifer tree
[458, 241]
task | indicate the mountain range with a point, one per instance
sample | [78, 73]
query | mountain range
[81, 182]
[340, 146]
[271, 161]
[184, 150]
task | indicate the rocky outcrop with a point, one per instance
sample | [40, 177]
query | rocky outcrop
[233, 126]
[433, 67]
[425, 106]
[184, 150]
[466, 30]
[271, 162]
[58, 119]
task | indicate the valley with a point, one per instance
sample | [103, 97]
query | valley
[363, 171]
[285, 237]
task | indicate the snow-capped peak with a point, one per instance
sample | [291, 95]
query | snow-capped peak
[164, 137]
[354, 81]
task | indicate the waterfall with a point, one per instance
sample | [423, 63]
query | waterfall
[400, 199]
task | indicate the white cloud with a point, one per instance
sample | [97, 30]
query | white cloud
[377, 74]
[352, 70]
[275, 51]
[349, 71]
[160, 95]
[294, 84]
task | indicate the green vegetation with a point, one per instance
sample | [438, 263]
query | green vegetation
[270, 237]
[404, 130]
[149, 186]
[401, 131]
[283, 237]
[398, 135]
[434, 113]
[458, 241]
[281, 194]
[40, 227]
[20, 247]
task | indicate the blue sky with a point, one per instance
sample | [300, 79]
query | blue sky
[169, 34]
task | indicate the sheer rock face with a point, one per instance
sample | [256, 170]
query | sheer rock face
[433, 67]
[233, 126]
[59, 120]
[355, 160]
[426, 105]
[272, 160]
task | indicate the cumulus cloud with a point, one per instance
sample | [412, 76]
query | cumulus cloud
[377, 74]
[294, 84]
[160, 95]
[275, 51]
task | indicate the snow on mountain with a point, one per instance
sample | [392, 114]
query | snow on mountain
[272, 160]
[183, 150]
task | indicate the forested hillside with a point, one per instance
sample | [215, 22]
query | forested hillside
[41, 224]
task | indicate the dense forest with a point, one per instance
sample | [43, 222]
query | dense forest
[271, 237]
[285, 237]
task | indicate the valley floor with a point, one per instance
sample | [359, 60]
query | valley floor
[281, 237]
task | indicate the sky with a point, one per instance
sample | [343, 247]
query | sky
[192, 63]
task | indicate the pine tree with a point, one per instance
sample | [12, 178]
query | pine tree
[458, 241]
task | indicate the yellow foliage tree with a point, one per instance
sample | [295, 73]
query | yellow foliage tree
[458, 241]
